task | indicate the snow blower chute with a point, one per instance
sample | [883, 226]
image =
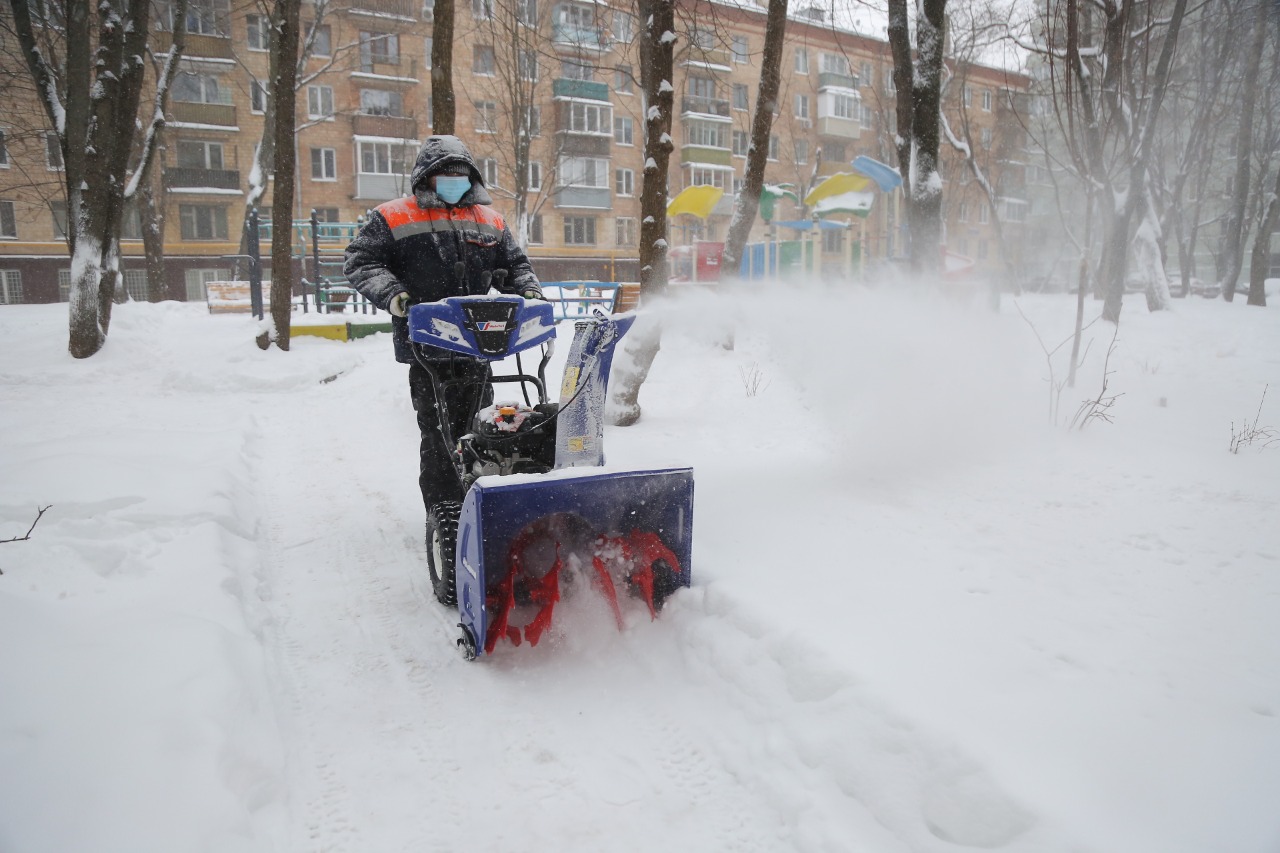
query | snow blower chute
[541, 515]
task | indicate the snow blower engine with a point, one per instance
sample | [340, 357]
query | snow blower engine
[540, 515]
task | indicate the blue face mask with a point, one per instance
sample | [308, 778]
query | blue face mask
[452, 187]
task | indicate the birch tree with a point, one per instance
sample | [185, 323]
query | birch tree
[91, 97]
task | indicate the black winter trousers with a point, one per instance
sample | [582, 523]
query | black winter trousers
[465, 386]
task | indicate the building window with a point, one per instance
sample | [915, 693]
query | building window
[377, 48]
[708, 133]
[802, 60]
[4, 152]
[259, 32]
[701, 87]
[986, 100]
[739, 184]
[834, 63]
[326, 214]
[203, 221]
[489, 171]
[486, 117]
[319, 102]
[832, 241]
[194, 154]
[741, 143]
[482, 10]
[58, 210]
[802, 107]
[257, 97]
[428, 44]
[741, 49]
[624, 181]
[53, 152]
[986, 137]
[590, 118]
[866, 75]
[580, 230]
[321, 40]
[199, 88]
[774, 147]
[324, 164]
[624, 130]
[8, 222]
[588, 172]
[135, 284]
[623, 82]
[868, 117]
[197, 279]
[535, 228]
[528, 65]
[833, 152]
[703, 177]
[380, 102]
[577, 69]
[482, 60]
[1014, 210]
[532, 124]
[624, 231]
[962, 212]
[967, 96]
[382, 158]
[535, 176]
[844, 106]
[984, 215]
[431, 111]
[624, 28]
[527, 12]
[10, 287]
[802, 151]
[207, 17]
[740, 96]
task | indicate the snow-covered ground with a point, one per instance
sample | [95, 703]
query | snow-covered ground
[923, 618]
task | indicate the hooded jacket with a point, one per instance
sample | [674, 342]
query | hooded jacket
[415, 244]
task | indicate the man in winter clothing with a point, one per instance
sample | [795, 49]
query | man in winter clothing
[444, 241]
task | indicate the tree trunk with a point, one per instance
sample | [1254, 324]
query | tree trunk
[284, 94]
[443, 106]
[748, 201]
[1260, 261]
[1235, 237]
[640, 348]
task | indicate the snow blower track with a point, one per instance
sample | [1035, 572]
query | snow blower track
[695, 732]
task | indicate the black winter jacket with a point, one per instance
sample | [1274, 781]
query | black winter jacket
[414, 244]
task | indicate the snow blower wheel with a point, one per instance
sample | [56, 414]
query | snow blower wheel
[442, 538]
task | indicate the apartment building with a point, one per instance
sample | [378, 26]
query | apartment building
[548, 101]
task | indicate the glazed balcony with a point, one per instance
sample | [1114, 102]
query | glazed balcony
[585, 89]
[391, 127]
[705, 106]
[176, 177]
[191, 112]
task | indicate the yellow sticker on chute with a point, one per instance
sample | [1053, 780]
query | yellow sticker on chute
[570, 383]
[578, 444]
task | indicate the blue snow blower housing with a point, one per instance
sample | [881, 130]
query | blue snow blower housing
[539, 515]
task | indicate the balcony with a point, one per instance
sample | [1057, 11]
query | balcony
[197, 45]
[189, 112]
[380, 188]
[585, 89]
[390, 127]
[585, 38]
[593, 198]
[573, 144]
[388, 66]
[713, 58]
[706, 154]
[185, 176]
[832, 80]
[705, 107]
[843, 128]
[395, 8]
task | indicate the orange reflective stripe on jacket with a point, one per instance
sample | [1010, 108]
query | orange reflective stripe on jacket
[405, 219]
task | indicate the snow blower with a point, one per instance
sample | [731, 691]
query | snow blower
[541, 517]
